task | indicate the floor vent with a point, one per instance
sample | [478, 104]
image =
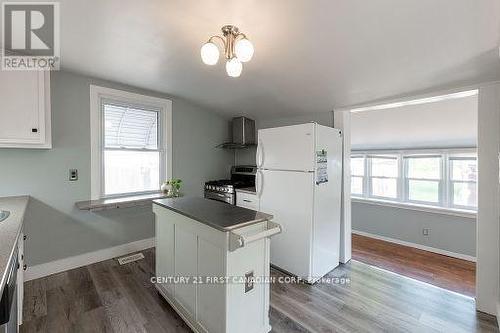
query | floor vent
[130, 258]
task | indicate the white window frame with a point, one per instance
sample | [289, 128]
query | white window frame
[98, 95]
[369, 176]
[363, 178]
[449, 189]
[402, 201]
[441, 181]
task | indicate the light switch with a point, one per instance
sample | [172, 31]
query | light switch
[73, 175]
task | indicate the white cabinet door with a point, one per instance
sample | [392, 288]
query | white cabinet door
[286, 148]
[186, 265]
[25, 109]
[247, 200]
[164, 242]
[288, 196]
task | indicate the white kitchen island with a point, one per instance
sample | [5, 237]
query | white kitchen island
[207, 255]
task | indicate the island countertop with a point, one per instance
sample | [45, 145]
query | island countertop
[218, 215]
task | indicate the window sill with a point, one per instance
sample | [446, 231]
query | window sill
[121, 202]
[422, 208]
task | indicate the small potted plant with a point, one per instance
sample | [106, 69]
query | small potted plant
[172, 187]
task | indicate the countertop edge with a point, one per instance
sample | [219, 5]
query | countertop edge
[265, 217]
[18, 233]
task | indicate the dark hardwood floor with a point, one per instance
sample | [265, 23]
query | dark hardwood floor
[446, 272]
[107, 297]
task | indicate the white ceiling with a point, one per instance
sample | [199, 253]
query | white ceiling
[449, 123]
[310, 56]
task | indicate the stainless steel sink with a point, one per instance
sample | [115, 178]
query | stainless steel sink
[4, 214]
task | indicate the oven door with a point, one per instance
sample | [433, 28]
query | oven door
[8, 306]
[224, 197]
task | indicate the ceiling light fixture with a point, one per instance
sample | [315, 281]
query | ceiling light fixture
[237, 49]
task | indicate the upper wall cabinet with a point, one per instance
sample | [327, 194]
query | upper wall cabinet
[25, 109]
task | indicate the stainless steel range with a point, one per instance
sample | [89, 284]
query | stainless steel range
[224, 190]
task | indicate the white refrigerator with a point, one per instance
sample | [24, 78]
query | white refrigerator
[299, 182]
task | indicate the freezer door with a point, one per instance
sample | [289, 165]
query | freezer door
[286, 148]
[288, 196]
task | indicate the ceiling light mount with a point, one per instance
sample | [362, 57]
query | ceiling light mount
[237, 49]
[230, 30]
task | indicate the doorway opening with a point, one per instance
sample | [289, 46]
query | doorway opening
[414, 188]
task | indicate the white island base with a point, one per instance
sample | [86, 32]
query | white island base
[196, 252]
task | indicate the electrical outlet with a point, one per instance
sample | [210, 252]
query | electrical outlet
[249, 281]
[426, 231]
[73, 175]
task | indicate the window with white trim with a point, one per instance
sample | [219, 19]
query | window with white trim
[130, 142]
[423, 179]
[444, 178]
[357, 175]
[383, 176]
[463, 181]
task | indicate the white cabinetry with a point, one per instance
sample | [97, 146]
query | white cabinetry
[194, 261]
[25, 109]
[247, 200]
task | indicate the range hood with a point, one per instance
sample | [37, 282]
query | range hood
[243, 136]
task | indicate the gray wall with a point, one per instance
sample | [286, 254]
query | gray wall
[450, 233]
[56, 229]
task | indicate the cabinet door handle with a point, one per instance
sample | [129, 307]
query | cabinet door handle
[246, 200]
[24, 267]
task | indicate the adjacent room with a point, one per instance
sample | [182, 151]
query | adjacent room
[250, 166]
[414, 188]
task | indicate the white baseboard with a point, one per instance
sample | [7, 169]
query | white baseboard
[88, 258]
[417, 246]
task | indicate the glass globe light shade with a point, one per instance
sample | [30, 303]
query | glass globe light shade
[234, 67]
[209, 53]
[244, 50]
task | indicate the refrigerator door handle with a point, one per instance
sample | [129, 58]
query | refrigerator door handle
[260, 154]
[259, 183]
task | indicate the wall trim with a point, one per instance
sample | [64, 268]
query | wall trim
[61, 265]
[417, 246]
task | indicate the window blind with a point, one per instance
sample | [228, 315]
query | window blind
[131, 128]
